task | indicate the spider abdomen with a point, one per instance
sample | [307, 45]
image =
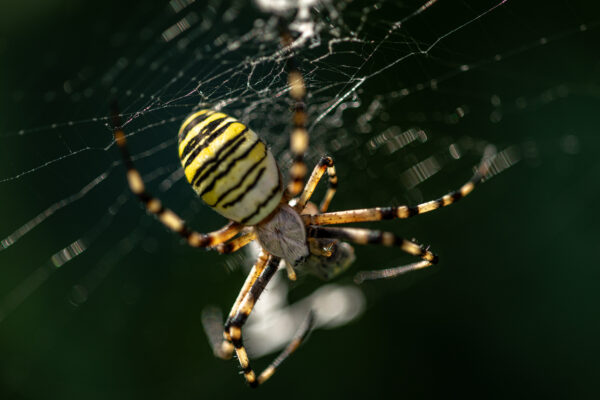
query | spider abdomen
[229, 167]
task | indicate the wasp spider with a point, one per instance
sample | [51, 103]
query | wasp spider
[235, 173]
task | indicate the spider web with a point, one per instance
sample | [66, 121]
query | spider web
[404, 95]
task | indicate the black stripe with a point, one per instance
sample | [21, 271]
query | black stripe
[219, 156]
[144, 197]
[374, 237]
[125, 154]
[315, 231]
[193, 123]
[212, 184]
[299, 106]
[185, 232]
[191, 144]
[456, 196]
[205, 137]
[398, 241]
[412, 211]
[292, 65]
[327, 233]
[206, 142]
[388, 212]
[326, 161]
[225, 248]
[255, 291]
[241, 182]
[201, 135]
[247, 190]
[264, 203]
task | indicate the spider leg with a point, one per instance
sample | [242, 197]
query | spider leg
[299, 135]
[380, 213]
[388, 273]
[368, 236]
[212, 319]
[292, 347]
[324, 164]
[255, 272]
[234, 327]
[318, 249]
[154, 206]
[333, 181]
[236, 244]
[212, 322]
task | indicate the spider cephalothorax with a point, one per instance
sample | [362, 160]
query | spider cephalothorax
[284, 235]
[234, 172]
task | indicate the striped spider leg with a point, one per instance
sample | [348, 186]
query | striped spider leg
[245, 238]
[217, 333]
[241, 310]
[299, 136]
[154, 206]
[324, 164]
[401, 212]
[365, 236]
[368, 236]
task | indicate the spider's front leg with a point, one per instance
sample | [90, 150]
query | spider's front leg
[381, 213]
[324, 164]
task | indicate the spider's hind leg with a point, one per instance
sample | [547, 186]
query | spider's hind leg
[388, 273]
[368, 236]
[154, 206]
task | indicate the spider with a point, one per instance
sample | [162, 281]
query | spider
[235, 173]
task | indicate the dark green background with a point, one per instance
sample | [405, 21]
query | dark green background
[511, 312]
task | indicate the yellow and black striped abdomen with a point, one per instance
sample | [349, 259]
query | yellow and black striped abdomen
[229, 167]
